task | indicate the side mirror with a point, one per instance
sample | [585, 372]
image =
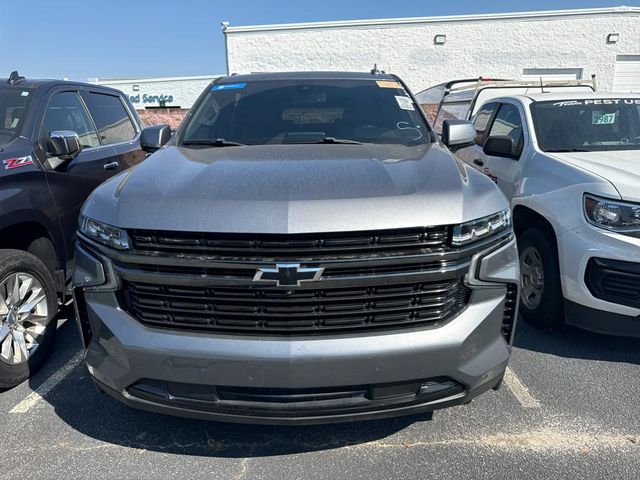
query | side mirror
[458, 133]
[500, 146]
[154, 137]
[64, 144]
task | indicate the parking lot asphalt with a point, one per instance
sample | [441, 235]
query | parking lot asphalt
[570, 409]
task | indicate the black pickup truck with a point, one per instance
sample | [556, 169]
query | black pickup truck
[58, 141]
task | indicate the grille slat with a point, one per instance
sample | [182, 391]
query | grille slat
[282, 246]
[265, 311]
[330, 271]
[274, 297]
[290, 314]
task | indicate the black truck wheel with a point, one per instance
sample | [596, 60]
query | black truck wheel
[541, 301]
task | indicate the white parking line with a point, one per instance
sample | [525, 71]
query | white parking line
[37, 395]
[519, 391]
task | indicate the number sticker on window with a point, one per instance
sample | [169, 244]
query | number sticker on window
[599, 118]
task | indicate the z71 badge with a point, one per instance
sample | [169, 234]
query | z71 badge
[17, 162]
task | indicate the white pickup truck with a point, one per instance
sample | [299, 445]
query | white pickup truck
[570, 165]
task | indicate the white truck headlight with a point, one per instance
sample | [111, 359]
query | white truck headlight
[106, 234]
[481, 228]
[622, 217]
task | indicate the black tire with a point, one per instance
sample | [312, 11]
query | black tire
[547, 309]
[14, 261]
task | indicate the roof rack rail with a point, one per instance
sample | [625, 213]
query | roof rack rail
[481, 82]
[14, 78]
[472, 87]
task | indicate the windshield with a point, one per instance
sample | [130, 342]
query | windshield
[306, 111]
[588, 125]
[13, 109]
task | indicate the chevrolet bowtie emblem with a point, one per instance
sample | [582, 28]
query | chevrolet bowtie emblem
[287, 274]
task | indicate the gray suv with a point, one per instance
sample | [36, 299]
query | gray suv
[303, 250]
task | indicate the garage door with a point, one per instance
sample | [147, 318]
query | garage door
[626, 77]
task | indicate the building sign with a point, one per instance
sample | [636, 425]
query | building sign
[160, 92]
[146, 99]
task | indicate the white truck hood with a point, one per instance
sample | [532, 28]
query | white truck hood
[621, 168]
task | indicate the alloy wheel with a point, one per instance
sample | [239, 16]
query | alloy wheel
[24, 317]
[532, 277]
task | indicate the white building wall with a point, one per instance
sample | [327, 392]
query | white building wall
[146, 92]
[501, 46]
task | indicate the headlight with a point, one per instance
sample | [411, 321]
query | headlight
[481, 228]
[106, 234]
[613, 215]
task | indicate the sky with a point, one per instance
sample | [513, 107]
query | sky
[79, 39]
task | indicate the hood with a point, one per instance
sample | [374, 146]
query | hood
[620, 167]
[295, 189]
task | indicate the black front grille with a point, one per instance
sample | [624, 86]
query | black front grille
[614, 281]
[287, 246]
[299, 311]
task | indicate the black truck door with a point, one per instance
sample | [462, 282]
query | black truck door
[72, 182]
[116, 126]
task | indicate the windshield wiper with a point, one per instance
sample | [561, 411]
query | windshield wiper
[568, 150]
[218, 142]
[340, 141]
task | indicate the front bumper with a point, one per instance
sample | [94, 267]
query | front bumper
[302, 379]
[584, 252]
[292, 417]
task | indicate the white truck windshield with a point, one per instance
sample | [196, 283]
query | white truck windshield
[587, 125]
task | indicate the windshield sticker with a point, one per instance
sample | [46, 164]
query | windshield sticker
[567, 104]
[14, 124]
[25, 94]
[405, 103]
[228, 86]
[599, 118]
[388, 84]
[17, 162]
[599, 101]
